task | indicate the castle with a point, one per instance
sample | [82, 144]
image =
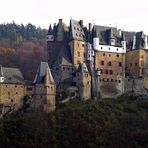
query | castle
[98, 61]
[13, 88]
[117, 61]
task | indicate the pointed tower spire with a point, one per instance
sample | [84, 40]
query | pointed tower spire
[50, 31]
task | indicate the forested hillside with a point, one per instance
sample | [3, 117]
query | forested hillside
[22, 46]
[110, 123]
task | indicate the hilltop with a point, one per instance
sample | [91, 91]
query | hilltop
[110, 123]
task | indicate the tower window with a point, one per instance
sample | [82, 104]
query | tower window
[102, 62]
[117, 55]
[78, 54]
[103, 54]
[111, 72]
[109, 63]
[120, 64]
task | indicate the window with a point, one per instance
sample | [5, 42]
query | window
[109, 48]
[68, 69]
[136, 64]
[41, 97]
[102, 62]
[109, 63]
[88, 82]
[112, 80]
[117, 49]
[119, 81]
[106, 71]
[117, 55]
[78, 54]
[101, 47]
[107, 80]
[29, 88]
[103, 54]
[51, 88]
[109, 55]
[86, 75]
[6, 85]
[83, 45]
[15, 86]
[103, 79]
[63, 68]
[120, 64]
[16, 93]
[111, 72]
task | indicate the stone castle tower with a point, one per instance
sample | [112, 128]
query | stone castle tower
[44, 89]
[83, 81]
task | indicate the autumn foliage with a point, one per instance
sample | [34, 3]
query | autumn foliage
[22, 47]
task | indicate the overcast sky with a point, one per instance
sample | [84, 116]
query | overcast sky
[131, 15]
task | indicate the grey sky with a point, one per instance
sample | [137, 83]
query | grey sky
[125, 14]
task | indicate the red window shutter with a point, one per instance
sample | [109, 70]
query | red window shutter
[109, 72]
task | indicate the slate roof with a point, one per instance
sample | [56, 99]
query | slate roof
[64, 56]
[105, 33]
[76, 31]
[12, 75]
[56, 27]
[140, 39]
[39, 78]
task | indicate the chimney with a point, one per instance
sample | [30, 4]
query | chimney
[1, 74]
[90, 27]
[60, 21]
[134, 42]
[81, 23]
[120, 32]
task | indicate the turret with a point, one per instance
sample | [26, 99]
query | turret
[48, 77]
[83, 82]
[50, 36]
[1, 75]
